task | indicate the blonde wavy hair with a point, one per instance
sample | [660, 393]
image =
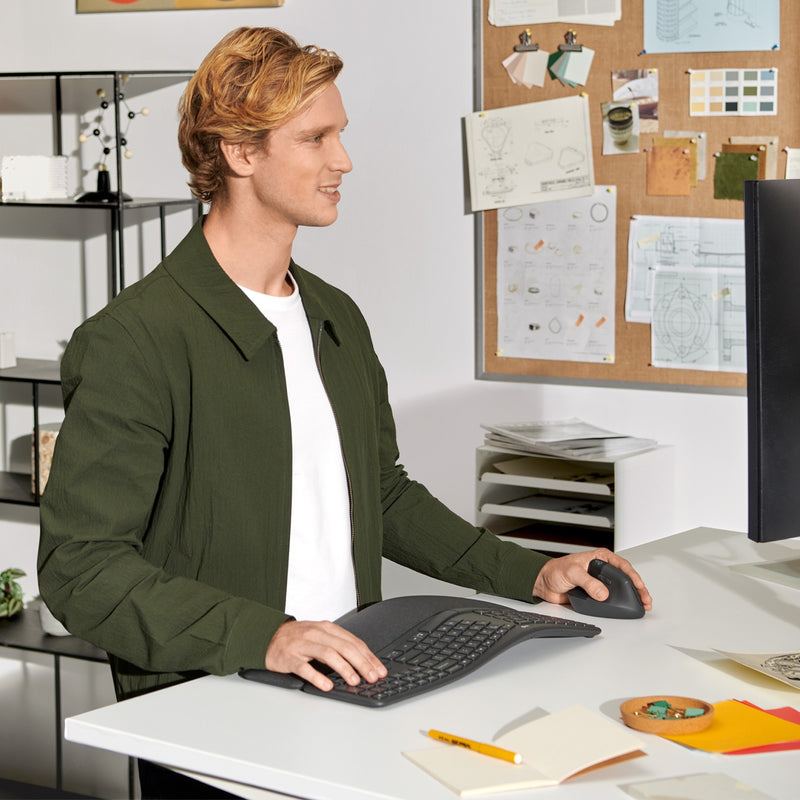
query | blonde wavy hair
[250, 83]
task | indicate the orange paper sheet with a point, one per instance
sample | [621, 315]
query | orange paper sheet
[737, 726]
[668, 171]
[688, 143]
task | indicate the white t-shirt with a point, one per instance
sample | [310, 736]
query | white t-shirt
[321, 580]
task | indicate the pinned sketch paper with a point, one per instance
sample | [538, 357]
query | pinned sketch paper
[733, 92]
[527, 12]
[792, 163]
[731, 170]
[691, 242]
[669, 170]
[705, 27]
[556, 277]
[698, 319]
[784, 667]
[553, 748]
[530, 153]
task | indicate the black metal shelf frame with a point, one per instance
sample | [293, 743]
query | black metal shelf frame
[116, 269]
[15, 487]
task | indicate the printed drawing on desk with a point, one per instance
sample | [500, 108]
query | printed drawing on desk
[556, 274]
[530, 153]
[784, 667]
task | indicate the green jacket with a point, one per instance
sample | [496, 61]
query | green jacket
[165, 523]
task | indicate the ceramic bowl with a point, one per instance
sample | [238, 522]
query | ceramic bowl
[669, 727]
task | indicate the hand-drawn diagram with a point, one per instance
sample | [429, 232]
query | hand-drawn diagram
[699, 319]
[675, 19]
[685, 242]
[556, 277]
[691, 26]
[530, 153]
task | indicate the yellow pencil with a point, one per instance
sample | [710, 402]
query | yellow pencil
[478, 747]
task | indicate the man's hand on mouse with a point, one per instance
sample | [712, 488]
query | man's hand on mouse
[559, 575]
[295, 644]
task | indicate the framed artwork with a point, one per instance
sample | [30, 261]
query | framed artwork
[87, 6]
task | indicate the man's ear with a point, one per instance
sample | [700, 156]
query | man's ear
[238, 157]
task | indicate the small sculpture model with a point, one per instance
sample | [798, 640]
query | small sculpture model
[108, 142]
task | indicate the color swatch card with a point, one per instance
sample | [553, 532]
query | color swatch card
[733, 92]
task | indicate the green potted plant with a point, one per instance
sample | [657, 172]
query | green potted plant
[10, 592]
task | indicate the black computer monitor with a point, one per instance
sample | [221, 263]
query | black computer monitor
[772, 299]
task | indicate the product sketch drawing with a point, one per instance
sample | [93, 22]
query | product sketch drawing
[556, 271]
[676, 242]
[711, 26]
[530, 153]
[698, 319]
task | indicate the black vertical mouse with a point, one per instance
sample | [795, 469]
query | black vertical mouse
[623, 600]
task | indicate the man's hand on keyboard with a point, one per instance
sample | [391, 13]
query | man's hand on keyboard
[295, 644]
[559, 575]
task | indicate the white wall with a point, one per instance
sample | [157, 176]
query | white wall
[403, 246]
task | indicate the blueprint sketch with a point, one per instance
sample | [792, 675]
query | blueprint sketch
[699, 319]
[530, 153]
[711, 26]
[677, 242]
[556, 271]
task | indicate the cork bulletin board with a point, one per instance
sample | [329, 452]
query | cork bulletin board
[621, 48]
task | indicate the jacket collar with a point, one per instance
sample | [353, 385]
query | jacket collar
[193, 267]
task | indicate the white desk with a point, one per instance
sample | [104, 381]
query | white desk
[299, 745]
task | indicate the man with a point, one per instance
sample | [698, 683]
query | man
[226, 477]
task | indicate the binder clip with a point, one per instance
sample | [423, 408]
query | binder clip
[525, 44]
[570, 43]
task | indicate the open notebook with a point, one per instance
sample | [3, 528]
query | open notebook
[554, 747]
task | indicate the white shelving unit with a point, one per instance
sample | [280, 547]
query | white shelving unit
[565, 506]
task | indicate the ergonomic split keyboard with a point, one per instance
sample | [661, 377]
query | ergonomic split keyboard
[429, 641]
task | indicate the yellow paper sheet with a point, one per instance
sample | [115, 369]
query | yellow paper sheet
[737, 726]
